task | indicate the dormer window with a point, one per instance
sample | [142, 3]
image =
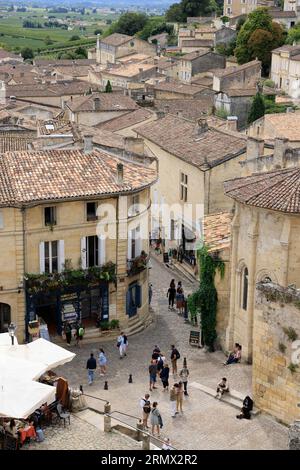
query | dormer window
[91, 211]
[50, 215]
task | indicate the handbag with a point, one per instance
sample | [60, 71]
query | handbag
[160, 421]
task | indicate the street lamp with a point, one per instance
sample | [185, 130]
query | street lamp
[11, 332]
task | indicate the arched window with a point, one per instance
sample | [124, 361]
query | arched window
[245, 288]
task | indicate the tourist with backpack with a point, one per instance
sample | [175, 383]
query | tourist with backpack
[79, 334]
[174, 358]
[145, 405]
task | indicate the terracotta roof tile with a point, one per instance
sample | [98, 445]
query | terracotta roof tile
[190, 109]
[27, 177]
[278, 190]
[217, 230]
[116, 39]
[126, 120]
[178, 87]
[180, 137]
[108, 102]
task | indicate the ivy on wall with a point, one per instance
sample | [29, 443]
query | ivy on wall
[205, 300]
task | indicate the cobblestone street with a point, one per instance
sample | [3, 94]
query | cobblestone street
[205, 423]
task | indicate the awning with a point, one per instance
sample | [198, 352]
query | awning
[18, 399]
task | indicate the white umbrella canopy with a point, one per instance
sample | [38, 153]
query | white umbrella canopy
[42, 351]
[18, 399]
[18, 368]
[5, 339]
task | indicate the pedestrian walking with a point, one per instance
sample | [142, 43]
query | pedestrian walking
[180, 298]
[79, 334]
[160, 363]
[120, 345]
[146, 409]
[91, 366]
[173, 400]
[68, 332]
[184, 375]
[150, 293]
[125, 344]
[174, 358]
[179, 398]
[152, 374]
[171, 294]
[156, 420]
[164, 376]
[102, 362]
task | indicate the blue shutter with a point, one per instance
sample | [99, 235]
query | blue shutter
[138, 295]
[128, 295]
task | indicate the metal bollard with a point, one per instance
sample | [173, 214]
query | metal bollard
[107, 419]
[145, 441]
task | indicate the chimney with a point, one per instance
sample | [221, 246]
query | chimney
[255, 148]
[155, 61]
[120, 173]
[180, 113]
[167, 109]
[160, 114]
[88, 143]
[168, 79]
[134, 145]
[280, 146]
[289, 109]
[232, 123]
[141, 70]
[96, 104]
[202, 126]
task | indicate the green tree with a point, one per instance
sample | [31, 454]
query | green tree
[154, 26]
[180, 12]
[293, 34]
[257, 109]
[75, 37]
[48, 41]
[254, 41]
[27, 53]
[175, 13]
[129, 23]
[108, 87]
[81, 53]
[97, 31]
[205, 299]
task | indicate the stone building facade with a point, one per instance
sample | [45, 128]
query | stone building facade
[285, 69]
[49, 222]
[276, 353]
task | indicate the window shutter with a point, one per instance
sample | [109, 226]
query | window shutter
[101, 251]
[61, 255]
[138, 296]
[138, 242]
[42, 257]
[129, 253]
[128, 295]
[83, 252]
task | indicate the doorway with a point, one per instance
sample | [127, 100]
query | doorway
[5, 317]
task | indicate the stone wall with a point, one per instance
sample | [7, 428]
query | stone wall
[276, 382]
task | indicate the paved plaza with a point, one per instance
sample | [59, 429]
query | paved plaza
[206, 423]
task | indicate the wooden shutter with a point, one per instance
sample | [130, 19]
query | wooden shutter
[101, 250]
[83, 252]
[138, 296]
[42, 257]
[61, 255]
[128, 295]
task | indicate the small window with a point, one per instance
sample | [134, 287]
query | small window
[245, 289]
[51, 257]
[50, 215]
[134, 207]
[91, 211]
[183, 187]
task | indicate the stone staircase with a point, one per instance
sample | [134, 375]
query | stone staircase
[233, 397]
[137, 324]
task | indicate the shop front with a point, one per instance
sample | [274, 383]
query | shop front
[87, 305]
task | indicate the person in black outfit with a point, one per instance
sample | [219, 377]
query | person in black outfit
[246, 409]
[171, 294]
[91, 366]
[164, 376]
[68, 333]
[156, 353]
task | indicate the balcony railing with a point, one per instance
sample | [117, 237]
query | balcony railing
[137, 265]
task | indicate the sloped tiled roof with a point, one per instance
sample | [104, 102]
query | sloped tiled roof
[28, 177]
[217, 230]
[278, 190]
[189, 109]
[178, 87]
[180, 137]
[126, 120]
[116, 39]
[108, 102]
